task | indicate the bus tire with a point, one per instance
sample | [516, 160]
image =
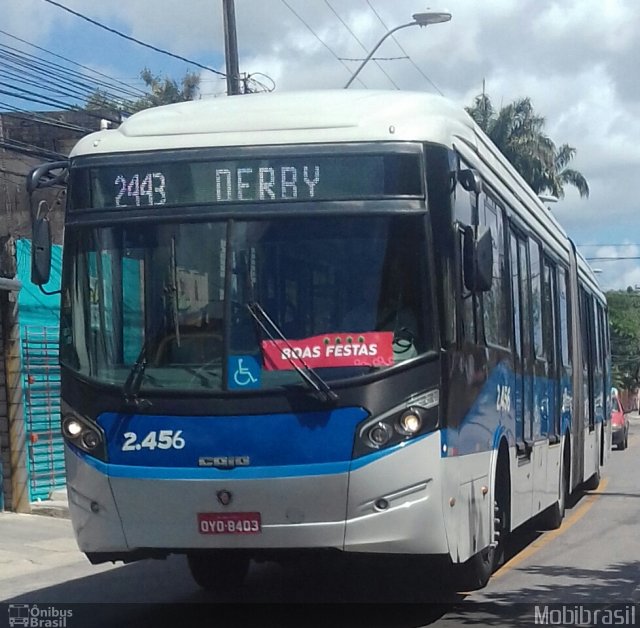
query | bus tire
[475, 572]
[593, 482]
[218, 571]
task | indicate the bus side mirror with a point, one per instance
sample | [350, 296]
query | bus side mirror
[44, 176]
[40, 251]
[478, 259]
[470, 180]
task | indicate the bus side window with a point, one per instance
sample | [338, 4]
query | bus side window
[536, 299]
[494, 302]
[550, 334]
[588, 355]
[599, 387]
[467, 319]
[564, 318]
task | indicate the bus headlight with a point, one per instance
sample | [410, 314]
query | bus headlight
[410, 422]
[71, 428]
[380, 434]
[90, 439]
[83, 433]
[417, 415]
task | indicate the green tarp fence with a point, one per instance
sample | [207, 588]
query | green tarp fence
[39, 318]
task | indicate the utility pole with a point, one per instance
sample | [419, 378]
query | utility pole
[231, 48]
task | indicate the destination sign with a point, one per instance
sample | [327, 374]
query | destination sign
[270, 180]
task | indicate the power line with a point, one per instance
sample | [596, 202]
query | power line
[606, 244]
[133, 39]
[25, 94]
[40, 74]
[53, 73]
[612, 259]
[42, 119]
[373, 58]
[361, 44]
[404, 52]
[315, 35]
[34, 151]
[92, 70]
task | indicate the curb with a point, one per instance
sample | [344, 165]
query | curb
[56, 506]
[51, 508]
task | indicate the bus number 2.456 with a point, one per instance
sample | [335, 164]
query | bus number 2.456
[162, 439]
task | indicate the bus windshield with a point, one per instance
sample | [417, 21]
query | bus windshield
[348, 295]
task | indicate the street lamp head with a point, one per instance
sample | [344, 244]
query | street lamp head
[431, 17]
[421, 19]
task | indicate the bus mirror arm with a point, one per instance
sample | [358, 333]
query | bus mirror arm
[35, 179]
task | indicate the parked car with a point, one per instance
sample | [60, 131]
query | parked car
[619, 424]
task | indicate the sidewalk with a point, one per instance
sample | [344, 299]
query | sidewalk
[56, 506]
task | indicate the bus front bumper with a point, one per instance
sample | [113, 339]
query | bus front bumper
[391, 503]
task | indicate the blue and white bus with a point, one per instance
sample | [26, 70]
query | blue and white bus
[323, 321]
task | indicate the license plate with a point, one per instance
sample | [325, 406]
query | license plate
[229, 523]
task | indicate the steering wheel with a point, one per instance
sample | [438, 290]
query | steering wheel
[403, 341]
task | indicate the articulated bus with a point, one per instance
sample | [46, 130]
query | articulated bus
[323, 322]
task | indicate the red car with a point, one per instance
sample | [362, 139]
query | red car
[619, 424]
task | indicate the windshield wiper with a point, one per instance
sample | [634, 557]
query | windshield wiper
[131, 386]
[307, 374]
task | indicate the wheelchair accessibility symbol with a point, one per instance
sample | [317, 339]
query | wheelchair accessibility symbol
[244, 372]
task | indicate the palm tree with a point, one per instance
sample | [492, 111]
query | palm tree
[162, 91]
[519, 134]
[562, 175]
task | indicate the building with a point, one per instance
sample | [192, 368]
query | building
[29, 426]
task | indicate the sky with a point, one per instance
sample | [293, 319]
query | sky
[576, 59]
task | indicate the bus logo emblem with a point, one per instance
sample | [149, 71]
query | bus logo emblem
[224, 462]
[224, 497]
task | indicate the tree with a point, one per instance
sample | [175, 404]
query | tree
[161, 91]
[624, 319]
[519, 134]
[165, 91]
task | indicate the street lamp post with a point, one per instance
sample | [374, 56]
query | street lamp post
[419, 19]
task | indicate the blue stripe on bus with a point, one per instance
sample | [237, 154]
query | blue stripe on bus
[490, 416]
[305, 444]
[274, 440]
[237, 473]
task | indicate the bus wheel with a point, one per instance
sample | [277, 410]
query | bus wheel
[475, 572]
[218, 571]
[594, 481]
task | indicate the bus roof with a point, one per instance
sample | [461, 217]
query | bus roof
[327, 116]
[322, 116]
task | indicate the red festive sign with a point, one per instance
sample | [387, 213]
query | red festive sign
[330, 350]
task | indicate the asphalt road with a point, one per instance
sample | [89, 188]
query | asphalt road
[593, 557]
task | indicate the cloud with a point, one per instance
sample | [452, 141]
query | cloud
[619, 274]
[576, 59]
